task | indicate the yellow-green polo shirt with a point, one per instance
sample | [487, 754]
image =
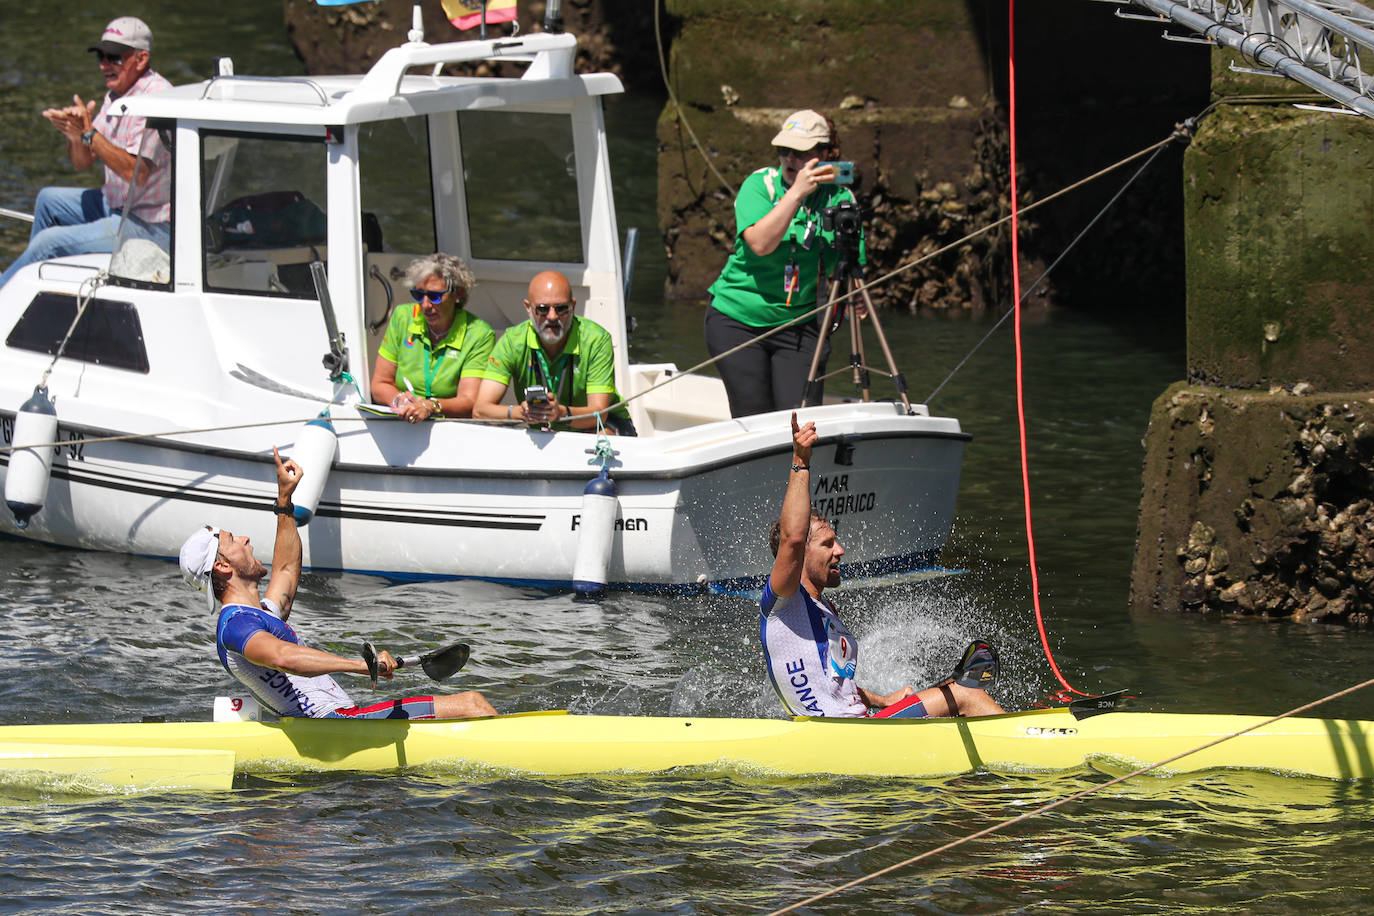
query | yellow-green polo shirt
[586, 365]
[434, 369]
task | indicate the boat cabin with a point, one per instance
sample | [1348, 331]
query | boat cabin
[364, 173]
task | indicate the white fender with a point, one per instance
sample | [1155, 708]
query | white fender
[26, 481]
[316, 446]
[596, 532]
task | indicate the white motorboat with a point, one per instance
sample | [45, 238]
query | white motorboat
[202, 345]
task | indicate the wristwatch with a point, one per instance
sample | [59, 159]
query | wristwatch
[279, 509]
[88, 136]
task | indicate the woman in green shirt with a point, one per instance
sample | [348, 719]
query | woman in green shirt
[772, 276]
[428, 362]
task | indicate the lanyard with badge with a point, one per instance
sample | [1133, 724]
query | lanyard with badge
[540, 368]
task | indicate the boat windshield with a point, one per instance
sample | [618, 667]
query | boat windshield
[520, 172]
[396, 189]
[263, 212]
[141, 255]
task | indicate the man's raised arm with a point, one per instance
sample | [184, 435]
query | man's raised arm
[286, 552]
[795, 522]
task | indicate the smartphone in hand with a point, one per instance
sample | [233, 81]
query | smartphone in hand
[844, 172]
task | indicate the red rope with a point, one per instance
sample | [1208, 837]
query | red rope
[1020, 387]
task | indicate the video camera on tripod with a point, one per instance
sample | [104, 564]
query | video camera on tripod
[845, 220]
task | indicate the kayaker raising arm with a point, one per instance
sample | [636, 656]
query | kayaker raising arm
[256, 645]
[811, 655]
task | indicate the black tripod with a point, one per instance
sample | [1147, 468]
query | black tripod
[848, 277]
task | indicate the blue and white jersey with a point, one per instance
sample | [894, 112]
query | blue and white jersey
[285, 694]
[810, 654]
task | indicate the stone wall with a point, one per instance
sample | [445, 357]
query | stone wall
[1280, 218]
[1258, 503]
[1258, 477]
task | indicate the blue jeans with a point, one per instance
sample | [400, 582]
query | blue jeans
[67, 221]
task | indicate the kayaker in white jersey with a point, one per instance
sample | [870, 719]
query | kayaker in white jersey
[811, 655]
[257, 646]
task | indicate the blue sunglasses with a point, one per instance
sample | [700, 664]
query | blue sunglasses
[420, 295]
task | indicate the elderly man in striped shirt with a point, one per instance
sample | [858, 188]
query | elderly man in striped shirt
[137, 165]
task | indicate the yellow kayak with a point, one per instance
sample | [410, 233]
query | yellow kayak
[558, 744]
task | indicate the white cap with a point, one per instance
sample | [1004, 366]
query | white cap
[198, 558]
[127, 33]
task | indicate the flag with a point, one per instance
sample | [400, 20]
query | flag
[467, 14]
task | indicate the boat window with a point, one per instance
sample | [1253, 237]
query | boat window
[520, 174]
[393, 170]
[264, 212]
[142, 249]
[108, 334]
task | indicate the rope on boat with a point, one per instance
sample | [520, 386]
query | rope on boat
[129, 437]
[1002, 825]
[85, 293]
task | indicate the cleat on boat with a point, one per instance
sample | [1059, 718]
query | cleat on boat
[977, 667]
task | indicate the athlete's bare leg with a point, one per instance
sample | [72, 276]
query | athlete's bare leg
[467, 705]
[951, 699]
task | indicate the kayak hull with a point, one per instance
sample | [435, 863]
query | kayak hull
[560, 744]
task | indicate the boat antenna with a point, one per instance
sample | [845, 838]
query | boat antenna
[416, 35]
[553, 17]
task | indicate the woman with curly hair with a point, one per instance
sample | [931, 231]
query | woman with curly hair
[428, 363]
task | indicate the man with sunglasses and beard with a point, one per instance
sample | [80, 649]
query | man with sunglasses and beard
[70, 221]
[562, 366]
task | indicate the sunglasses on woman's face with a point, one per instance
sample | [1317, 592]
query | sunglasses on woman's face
[814, 152]
[562, 308]
[433, 295]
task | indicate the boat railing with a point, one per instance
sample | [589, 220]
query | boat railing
[215, 85]
[551, 57]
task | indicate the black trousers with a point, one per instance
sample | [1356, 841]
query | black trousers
[768, 374]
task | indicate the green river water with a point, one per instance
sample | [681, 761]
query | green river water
[95, 637]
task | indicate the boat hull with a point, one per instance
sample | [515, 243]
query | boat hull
[694, 506]
[559, 744]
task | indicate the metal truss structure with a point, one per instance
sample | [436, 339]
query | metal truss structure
[1327, 45]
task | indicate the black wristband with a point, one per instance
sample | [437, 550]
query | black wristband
[279, 509]
[801, 467]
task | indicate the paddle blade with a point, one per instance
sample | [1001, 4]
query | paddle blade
[978, 666]
[444, 663]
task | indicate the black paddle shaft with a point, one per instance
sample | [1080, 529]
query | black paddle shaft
[438, 665]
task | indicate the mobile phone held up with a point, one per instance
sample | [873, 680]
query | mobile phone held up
[537, 395]
[844, 172]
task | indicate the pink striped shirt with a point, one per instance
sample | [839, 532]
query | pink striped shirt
[153, 201]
